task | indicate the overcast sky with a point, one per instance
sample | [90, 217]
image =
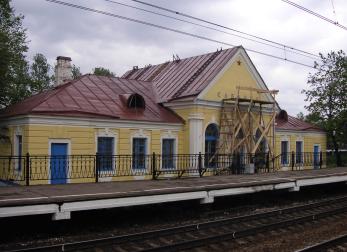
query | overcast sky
[93, 40]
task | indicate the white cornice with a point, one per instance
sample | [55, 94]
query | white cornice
[296, 132]
[87, 122]
[203, 103]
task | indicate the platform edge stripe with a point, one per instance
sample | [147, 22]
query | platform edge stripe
[240, 190]
[131, 201]
[28, 210]
[321, 180]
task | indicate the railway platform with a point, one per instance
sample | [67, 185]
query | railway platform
[61, 200]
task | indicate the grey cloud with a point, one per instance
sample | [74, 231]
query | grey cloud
[97, 40]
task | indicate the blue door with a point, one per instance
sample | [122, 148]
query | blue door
[316, 156]
[58, 163]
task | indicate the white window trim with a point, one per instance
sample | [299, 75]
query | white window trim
[169, 135]
[107, 133]
[140, 134]
[59, 140]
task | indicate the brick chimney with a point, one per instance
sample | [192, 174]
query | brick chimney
[63, 70]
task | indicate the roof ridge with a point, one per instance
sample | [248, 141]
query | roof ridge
[198, 55]
[196, 74]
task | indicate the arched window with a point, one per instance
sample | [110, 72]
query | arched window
[136, 101]
[211, 137]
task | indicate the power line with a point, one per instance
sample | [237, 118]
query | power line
[224, 27]
[315, 14]
[218, 30]
[172, 30]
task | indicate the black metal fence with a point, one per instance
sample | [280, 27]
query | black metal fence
[94, 168]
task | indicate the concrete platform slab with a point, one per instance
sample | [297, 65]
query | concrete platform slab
[62, 199]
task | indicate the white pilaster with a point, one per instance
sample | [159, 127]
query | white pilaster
[195, 133]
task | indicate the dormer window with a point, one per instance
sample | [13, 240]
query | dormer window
[136, 101]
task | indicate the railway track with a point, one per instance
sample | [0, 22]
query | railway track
[336, 244]
[203, 234]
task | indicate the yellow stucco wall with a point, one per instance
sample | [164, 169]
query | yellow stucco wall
[235, 75]
[82, 141]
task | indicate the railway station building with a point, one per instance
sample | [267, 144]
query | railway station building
[215, 104]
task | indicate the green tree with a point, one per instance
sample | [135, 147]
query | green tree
[76, 72]
[103, 72]
[300, 116]
[14, 77]
[327, 96]
[40, 74]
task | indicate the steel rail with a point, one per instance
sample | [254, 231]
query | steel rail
[142, 236]
[325, 245]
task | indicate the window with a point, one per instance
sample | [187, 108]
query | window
[168, 151]
[18, 151]
[136, 101]
[284, 152]
[298, 151]
[211, 137]
[105, 151]
[139, 153]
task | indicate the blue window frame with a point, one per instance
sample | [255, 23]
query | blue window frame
[211, 137]
[316, 157]
[105, 151]
[168, 152]
[298, 150]
[19, 143]
[139, 153]
[284, 152]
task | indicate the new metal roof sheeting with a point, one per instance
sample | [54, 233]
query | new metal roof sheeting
[169, 77]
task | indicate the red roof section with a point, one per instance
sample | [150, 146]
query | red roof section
[295, 124]
[96, 96]
[185, 77]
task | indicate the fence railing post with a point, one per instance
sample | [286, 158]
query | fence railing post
[154, 168]
[200, 164]
[97, 166]
[267, 162]
[27, 169]
[320, 160]
[293, 160]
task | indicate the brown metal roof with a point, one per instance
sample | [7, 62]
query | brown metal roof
[295, 124]
[185, 77]
[95, 96]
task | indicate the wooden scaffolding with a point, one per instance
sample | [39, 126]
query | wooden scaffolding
[247, 123]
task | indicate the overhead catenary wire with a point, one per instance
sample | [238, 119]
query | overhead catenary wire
[223, 26]
[270, 44]
[315, 14]
[172, 30]
[332, 3]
